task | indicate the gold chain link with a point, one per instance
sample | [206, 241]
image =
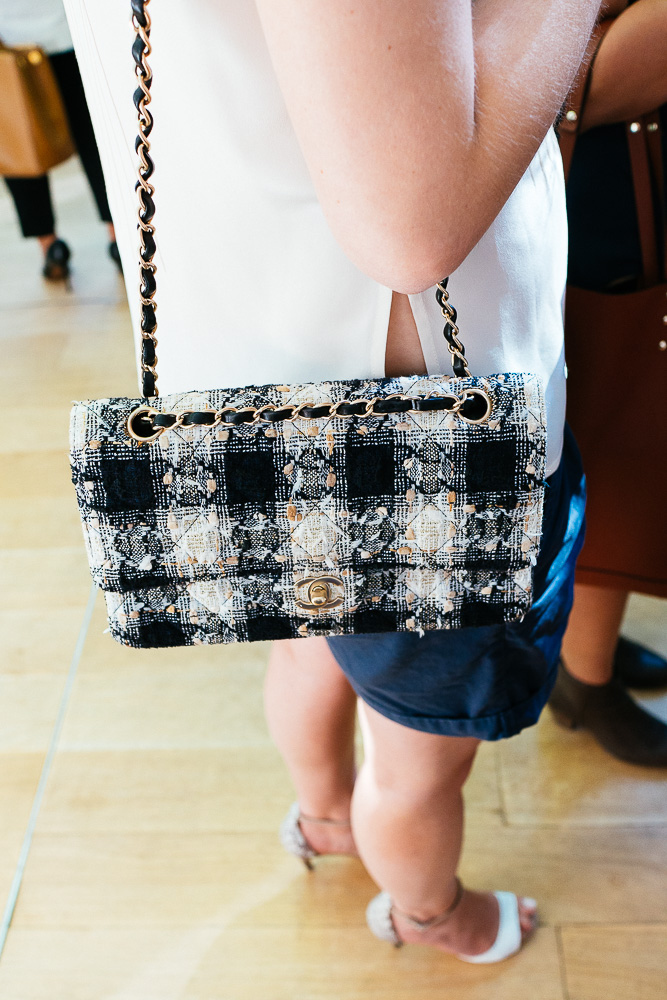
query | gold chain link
[144, 76]
[454, 345]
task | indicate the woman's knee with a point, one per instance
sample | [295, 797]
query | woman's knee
[413, 765]
[415, 787]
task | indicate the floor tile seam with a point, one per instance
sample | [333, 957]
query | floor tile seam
[145, 663]
[610, 925]
[132, 835]
[498, 771]
[172, 829]
[253, 924]
[222, 925]
[64, 304]
[562, 962]
[136, 831]
[10, 907]
[65, 749]
[221, 928]
[186, 750]
[643, 824]
[52, 672]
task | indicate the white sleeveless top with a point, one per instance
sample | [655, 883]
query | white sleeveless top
[252, 287]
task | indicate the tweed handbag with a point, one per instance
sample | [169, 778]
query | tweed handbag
[280, 511]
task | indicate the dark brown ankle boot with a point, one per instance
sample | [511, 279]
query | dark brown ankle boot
[639, 667]
[607, 711]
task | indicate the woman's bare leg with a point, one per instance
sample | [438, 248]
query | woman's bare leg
[407, 810]
[407, 817]
[590, 641]
[310, 708]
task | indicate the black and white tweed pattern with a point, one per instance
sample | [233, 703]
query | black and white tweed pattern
[421, 520]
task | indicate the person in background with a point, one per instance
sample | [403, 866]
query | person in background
[628, 80]
[43, 23]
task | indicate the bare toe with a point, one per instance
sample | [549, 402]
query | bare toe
[527, 916]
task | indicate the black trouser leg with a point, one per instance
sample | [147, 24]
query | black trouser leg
[32, 199]
[69, 81]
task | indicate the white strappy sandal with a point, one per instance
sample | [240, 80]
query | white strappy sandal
[508, 939]
[292, 838]
[379, 911]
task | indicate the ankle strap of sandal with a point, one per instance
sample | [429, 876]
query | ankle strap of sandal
[324, 822]
[440, 918]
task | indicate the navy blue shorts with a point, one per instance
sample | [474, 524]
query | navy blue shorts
[488, 682]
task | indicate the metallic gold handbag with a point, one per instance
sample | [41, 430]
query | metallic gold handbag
[34, 131]
[272, 512]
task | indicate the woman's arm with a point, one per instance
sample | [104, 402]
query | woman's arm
[630, 71]
[417, 119]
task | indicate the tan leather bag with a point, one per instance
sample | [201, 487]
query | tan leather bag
[34, 132]
[616, 348]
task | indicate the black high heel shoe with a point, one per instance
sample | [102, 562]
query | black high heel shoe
[621, 726]
[56, 261]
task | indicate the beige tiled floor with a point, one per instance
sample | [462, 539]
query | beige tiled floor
[295, 962]
[592, 789]
[19, 775]
[50, 631]
[155, 871]
[598, 959]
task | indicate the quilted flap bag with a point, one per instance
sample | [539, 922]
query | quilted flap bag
[280, 511]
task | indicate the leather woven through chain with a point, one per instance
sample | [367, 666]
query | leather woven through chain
[141, 49]
[473, 406]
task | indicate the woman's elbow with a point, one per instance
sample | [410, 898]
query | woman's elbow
[411, 270]
[413, 267]
[411, 274]
[407, 259]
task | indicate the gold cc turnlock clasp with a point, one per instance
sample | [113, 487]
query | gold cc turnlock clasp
[319, 594]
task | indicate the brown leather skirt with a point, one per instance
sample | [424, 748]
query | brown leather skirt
[616, 349]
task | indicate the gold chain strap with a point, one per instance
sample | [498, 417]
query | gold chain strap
[141, 49]
[142, 97]
[451, 331]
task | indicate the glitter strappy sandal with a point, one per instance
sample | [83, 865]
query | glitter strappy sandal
[508, 939]
[292, 838]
